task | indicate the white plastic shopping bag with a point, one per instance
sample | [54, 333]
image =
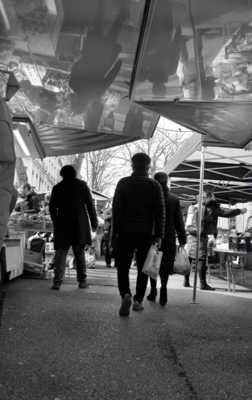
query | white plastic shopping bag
[152, 262]
[181, 263]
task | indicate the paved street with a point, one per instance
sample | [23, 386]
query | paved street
[72, 345]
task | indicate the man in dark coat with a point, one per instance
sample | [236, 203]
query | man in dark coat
[174, 225]
[137, 221]
[71, 207]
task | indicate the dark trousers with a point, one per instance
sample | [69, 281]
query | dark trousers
[202, 271]
[166, 267]
[106, 249]
[108, 257]
[126, 247]
[60, 263]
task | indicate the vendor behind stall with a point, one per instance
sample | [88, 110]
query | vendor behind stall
[211, 211]
[31, 201]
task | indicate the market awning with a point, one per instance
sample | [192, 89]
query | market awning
[235, 172]
[194, 50]
[193, 71]
[186, 190]
[221, 123]
[49, 140]
[73, 62]
[221, 163]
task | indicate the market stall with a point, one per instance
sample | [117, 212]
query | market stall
[36, 247]
[214, 165]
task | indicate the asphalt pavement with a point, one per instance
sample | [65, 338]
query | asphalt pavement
[72, 344]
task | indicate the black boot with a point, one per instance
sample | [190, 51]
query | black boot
[163, 296]
[187, 280]
[202, 276]
[153, 293]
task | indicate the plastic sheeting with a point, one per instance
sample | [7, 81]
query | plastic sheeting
[223, 124]
[73, 61]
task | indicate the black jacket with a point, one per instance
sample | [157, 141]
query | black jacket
[71, 207]
[211, 213]
[174, 224]
[138, 207]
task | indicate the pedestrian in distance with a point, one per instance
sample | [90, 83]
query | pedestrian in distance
[138, 220]
[106, 237]
[174, 225]
[71, 207]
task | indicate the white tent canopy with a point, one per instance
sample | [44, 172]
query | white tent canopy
[190, 151]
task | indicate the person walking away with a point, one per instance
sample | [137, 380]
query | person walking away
[211, 211]
[138, 220]
[106, 238]
[71, 207]
[174, 225]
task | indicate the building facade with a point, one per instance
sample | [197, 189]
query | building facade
[42, 175]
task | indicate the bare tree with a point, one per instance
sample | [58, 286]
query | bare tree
[103, 168]
[98, 169]
[161, 147]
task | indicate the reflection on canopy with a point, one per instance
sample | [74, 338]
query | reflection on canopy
[219, 122]
[194, 50]
[73, 61]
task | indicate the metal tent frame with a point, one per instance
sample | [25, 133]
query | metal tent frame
[226, 193]
[197, 146]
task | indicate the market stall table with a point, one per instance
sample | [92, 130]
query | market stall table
[228, 255]
[28, 223]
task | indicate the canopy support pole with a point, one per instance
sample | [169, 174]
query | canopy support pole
[199, 220]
